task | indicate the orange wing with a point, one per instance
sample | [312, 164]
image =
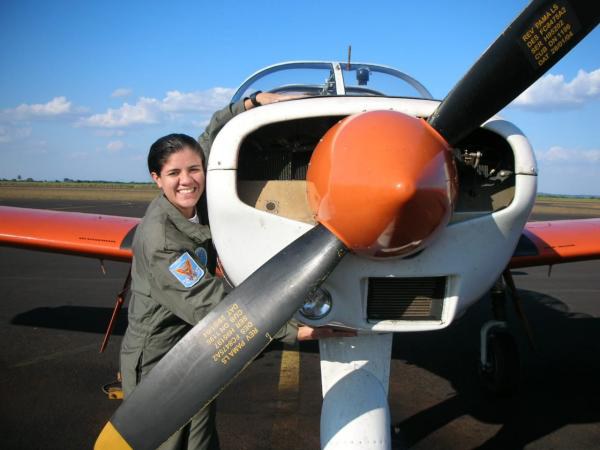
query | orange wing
[557, 241]
[95, 235]
[110, 237]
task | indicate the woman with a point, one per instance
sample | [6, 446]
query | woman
[166, 300]
[164, 307]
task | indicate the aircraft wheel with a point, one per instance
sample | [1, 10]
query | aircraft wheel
[500, 376]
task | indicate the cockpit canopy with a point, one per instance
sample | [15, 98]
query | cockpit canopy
[332, 78]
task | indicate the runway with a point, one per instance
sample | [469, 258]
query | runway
[55, 308]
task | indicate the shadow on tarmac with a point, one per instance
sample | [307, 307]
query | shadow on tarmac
[558, 382]
[88, 319]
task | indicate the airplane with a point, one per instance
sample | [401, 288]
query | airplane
[356, 206]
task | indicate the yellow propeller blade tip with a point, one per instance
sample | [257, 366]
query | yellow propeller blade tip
[111, 439]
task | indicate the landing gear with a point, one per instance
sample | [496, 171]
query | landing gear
[499, 370]
[499, 362]
[118, 305]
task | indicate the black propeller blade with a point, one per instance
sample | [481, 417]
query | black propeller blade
[222, 344]
[209, 357]
[538, 38]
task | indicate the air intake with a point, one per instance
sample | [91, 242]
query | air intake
[405, 298]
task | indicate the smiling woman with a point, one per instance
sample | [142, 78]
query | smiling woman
[176, 163]
[173, 283]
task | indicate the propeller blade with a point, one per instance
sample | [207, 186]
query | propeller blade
[537, 39]
[219, 347]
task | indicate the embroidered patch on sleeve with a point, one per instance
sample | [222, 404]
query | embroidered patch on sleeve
[202, 256]
[186, 270]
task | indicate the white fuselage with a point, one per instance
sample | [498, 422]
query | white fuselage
[470, 253]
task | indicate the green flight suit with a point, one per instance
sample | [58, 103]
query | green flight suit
[162, 309]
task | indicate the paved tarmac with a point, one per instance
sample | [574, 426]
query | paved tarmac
[54, 308]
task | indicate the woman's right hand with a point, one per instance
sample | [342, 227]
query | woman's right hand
[307, 333]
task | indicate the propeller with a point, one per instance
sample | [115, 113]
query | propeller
[536, 40]
[364, 200]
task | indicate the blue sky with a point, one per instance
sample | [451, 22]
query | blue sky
[86, 87]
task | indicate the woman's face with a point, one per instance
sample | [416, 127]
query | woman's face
[182, 180]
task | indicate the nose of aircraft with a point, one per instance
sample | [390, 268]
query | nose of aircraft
[383, 182]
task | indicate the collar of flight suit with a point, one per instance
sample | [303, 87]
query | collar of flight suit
[197, 232]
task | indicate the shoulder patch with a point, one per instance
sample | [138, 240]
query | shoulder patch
[186, 270]
[202, 256]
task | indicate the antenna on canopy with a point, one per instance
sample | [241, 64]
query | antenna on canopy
[349, 56]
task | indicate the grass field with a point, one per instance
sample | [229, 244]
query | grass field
[11, 190]
[567, 206]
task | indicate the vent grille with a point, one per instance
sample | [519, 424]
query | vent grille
[274, 165]
[405, 298]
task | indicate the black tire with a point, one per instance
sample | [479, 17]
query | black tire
[501, 377]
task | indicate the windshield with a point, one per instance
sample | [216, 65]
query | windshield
[325, 78]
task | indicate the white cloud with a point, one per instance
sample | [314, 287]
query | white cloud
[115, 146]
[591, 155]
[560, 155]
[58, 106]
[151, 110]
[145, 111]
[199, 101]
[121, 92]
[552, 92]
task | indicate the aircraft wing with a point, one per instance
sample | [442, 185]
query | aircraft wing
[557, 241]
[93, 235]
[111, 237]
